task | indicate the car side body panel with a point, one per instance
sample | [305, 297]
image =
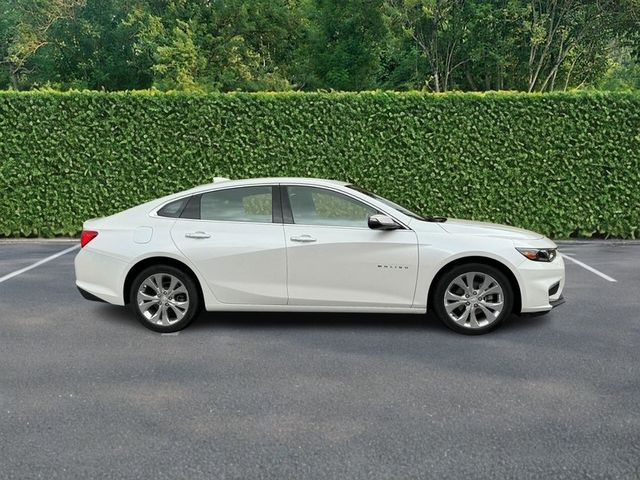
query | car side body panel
[244, 267]
[242, 263]
[354, 267]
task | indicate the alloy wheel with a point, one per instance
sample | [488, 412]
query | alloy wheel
[163, 299]
[474, 300]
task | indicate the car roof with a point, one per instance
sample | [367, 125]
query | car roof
[224, 183]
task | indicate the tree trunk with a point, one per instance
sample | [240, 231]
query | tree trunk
[13, 76]
[436, 77]
[470, 80]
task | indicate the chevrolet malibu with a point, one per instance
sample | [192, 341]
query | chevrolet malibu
[300, 244]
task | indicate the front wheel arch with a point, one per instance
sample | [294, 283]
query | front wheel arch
[515, 286]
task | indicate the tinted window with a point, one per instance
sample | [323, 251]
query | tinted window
[173, 209]
[318, 206]
[404, 210]
[192, 208]
[246, 204]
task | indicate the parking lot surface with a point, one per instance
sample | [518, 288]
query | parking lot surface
[87, 392]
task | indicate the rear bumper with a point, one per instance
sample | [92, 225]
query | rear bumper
[89, 296]
[100, 275]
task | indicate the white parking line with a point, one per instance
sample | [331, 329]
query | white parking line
[591, 269]
[38, 263]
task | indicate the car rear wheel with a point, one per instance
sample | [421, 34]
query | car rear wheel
[473, 298]
[164, 298]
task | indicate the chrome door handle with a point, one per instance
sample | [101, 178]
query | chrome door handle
[303, 238]
[197, 235]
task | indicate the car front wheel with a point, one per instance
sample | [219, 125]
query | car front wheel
[473, 298]
[164, 298]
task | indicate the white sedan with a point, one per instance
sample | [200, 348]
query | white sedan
[302, 244]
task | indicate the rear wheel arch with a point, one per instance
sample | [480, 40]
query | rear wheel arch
[515, 286]
[151, 261]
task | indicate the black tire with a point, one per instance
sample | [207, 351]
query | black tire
[437, 302]
[192, 292]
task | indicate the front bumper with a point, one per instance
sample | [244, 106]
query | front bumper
[553, 303]
[541, 285]
[558, 302]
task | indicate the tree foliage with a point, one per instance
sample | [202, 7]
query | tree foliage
[253, 45]
[344, 43]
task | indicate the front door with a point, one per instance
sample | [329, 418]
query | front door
[335, 259]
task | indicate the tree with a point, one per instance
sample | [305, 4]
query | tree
[344, 42]
[493, 50]
[96, 48]
[565, 32]
[179, 63]
[438, 30]
[532, 45]
[242, 44]
[254, 45]
[30, 32]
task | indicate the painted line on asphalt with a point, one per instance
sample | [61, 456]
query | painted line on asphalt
[38, 263]
[591, 269]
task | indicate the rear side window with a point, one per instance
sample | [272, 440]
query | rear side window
[192, 208]
[173, 209]
[244, 204]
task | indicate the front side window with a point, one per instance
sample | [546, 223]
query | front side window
[318, 206]
[389, 203]
[244, 204]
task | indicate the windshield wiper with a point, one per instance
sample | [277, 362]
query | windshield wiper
[431, 218]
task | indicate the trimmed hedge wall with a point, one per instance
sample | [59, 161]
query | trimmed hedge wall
[561, 164]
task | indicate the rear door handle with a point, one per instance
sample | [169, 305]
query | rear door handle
[197, 235]
[303, 238]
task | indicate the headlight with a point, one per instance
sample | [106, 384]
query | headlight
[539, 254]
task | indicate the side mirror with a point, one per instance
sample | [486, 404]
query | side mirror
[382, 222]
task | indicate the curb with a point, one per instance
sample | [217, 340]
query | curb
[5, 241]
[581, 243]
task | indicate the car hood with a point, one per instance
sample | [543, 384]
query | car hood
[484, 229]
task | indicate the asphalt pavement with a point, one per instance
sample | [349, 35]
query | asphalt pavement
[87, 392]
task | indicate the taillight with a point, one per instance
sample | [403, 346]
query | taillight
[86, 236]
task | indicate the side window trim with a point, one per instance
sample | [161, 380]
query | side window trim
[288, 211]
[281, 207]
[193, 205]
[277, 213]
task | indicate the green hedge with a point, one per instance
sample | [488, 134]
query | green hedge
[561, 164]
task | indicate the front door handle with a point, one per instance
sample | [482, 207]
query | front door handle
[197, 235]
[303, 238]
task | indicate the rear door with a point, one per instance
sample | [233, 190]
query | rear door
[236, 243]
[335, 259]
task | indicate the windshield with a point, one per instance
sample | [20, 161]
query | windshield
[400, 208]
